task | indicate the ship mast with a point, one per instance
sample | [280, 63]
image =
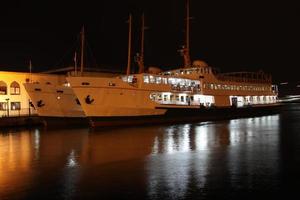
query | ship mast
[82, 51]
[30, 70]
[186, 48]
[140, 57]
[75, 63]
[129, 44]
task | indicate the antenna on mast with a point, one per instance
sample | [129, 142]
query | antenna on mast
[140, 56]
[129, 44]
[186, 48]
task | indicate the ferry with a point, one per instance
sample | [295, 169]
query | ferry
[146, 98]
[55, 102]
[235, 89]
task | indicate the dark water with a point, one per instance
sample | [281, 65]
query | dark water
[236, 159]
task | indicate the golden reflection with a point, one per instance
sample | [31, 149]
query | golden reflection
[169, 158]
[118, 145]
[16, 157]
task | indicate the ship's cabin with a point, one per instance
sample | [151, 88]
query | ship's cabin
[171, 90]
[182, 99]
[198, 68]
[158, 82]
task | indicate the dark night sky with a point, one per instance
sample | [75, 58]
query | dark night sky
[230, 35]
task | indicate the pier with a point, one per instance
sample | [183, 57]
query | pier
[17, 121]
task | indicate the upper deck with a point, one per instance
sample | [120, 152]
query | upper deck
[211, 74]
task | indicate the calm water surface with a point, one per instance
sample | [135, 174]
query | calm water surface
[241, 158]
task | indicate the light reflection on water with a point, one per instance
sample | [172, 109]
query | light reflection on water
[157, 162]
[193, 152]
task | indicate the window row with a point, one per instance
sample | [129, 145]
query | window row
[13, 106]
[171, 81]
[201, 70]
[182, 99]
[162, 80]
[14, 88]
[213, 86]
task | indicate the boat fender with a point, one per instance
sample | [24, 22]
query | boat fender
[88, 99]
[40, 103]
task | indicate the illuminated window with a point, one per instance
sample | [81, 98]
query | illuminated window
[165, 97]
[3, 105]
[165, 80]
[14, 88]
[171, 81]
[146, 79]
[129, 79]
[187, 98]
[3, 88]
[15, 106]
[171, 97]
[124, 78]
[182, 98]
[152, 79]
[158, 80]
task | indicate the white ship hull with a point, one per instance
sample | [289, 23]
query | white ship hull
[113, 102]
[54, 101]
